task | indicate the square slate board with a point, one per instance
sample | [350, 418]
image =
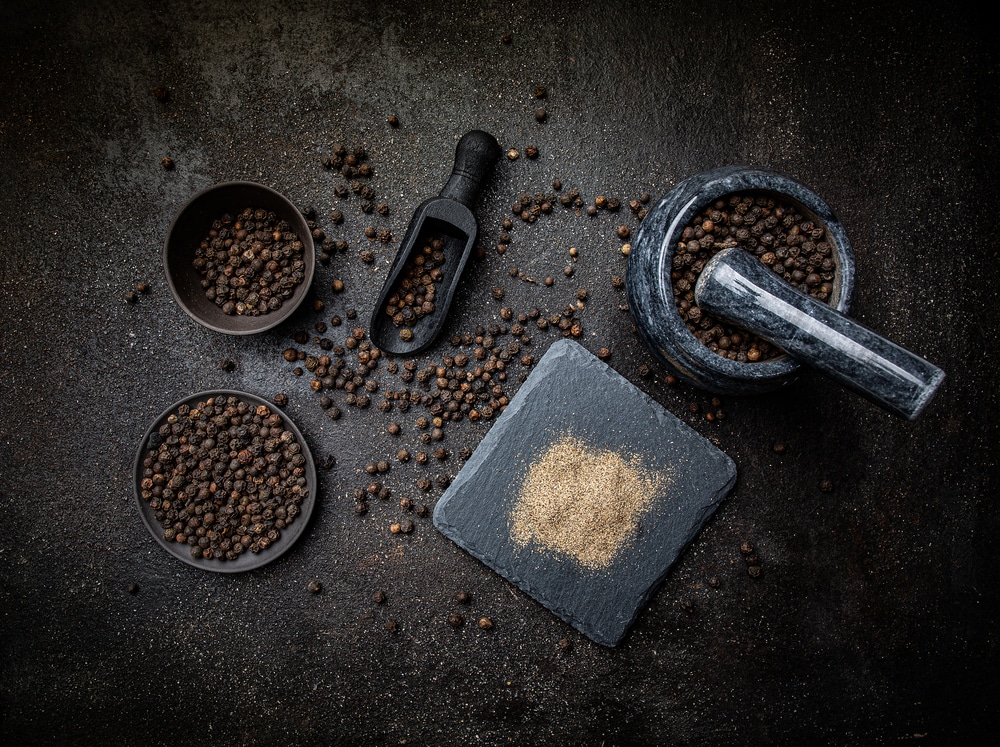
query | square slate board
[572, 392]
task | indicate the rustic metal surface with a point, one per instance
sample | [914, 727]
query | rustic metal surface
[874, 617]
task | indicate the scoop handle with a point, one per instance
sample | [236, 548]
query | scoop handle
[475, 155]
[738, 287]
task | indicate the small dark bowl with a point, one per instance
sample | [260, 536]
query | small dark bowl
[248, 560]
[650, 290]
[189, 228]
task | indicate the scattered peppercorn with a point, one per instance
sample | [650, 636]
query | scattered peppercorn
[565, 644]
[393, 120]
[314, 586]
[463, 597]
[455, 620]
[485, 623]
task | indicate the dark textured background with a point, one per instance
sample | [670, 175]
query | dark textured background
[875, 618]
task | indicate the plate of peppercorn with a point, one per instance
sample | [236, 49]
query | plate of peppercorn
[224, 481]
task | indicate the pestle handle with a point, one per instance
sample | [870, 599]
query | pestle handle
[475, 155]
[736, 286]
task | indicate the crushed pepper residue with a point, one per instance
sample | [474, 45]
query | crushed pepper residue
[583, 503]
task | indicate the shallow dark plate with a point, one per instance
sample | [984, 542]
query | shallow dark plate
[189, 228]
[248, 560]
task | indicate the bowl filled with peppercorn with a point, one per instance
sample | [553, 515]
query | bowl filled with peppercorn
[239, 258]
[224, 481]
[774, 218]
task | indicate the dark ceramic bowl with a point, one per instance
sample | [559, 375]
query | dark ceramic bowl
[650, 291]
[188, 230]
[248, 560]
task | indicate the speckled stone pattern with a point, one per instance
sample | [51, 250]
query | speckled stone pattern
[650, 292]
[734, 285]
[572, 392]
